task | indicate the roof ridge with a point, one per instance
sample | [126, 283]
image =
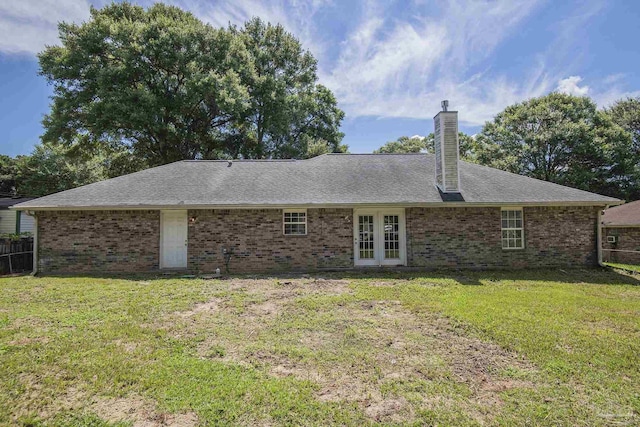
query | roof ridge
[375, 154]
[236, 160]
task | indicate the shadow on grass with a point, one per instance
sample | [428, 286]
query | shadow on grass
[596, 275]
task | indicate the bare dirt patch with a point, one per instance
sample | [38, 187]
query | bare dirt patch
[205, 307]
[388, 360]
[27, 341]
[134, 409]
[140, 412]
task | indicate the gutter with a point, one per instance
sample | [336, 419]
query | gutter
[604, 205]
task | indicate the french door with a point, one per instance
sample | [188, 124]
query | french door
[379, 237]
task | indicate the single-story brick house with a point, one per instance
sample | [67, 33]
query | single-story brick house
[621, 229]
[329, 212]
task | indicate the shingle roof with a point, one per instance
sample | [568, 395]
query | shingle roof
[331, 179]
[624, 215]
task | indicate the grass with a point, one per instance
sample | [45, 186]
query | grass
[479, 348]
[630, 267]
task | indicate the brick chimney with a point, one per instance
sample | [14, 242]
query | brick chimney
[445, 125]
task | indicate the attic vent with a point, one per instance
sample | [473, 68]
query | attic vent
[446, 150]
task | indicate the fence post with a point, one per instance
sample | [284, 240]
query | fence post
[10, 268]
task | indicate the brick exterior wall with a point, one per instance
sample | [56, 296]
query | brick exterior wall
[98, 241]
[627, 238]
[128, 241]
[471, 238]
[258, 244]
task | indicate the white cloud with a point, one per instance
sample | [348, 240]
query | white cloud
[294, 15]
[610, 89]
[571, 86]
[26, 26]
[396, 68]
[385, 63]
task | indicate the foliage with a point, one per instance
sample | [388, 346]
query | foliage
[16, 236]
[8, 173]
[404, 144]
[52, 168]
[563, 139]
[158, 81]
[418, 144]
[288, 110]
[320, 147]
[626, 113]
[163, 86]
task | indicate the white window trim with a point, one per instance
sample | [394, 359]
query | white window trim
[285, 211]
[510, 228]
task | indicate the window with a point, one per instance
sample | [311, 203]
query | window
[295, 222]
[512, 229]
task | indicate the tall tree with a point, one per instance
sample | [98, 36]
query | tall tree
[162, 86]
[288, 108]
[157, 81]
[626, 113]
[560, 138]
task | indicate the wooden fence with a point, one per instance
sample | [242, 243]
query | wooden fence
[16, 256]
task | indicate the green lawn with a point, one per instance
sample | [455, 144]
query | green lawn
[482, 348]
[630, 267]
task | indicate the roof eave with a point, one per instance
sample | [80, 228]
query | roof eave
[594, 203]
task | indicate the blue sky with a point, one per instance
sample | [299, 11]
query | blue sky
[389, 63]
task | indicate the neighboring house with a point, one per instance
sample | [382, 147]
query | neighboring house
[621, 233]
[333, 211]
[12, 221]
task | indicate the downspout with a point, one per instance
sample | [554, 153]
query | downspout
[35, 244]
[599, 237]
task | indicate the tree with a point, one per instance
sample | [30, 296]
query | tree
[559, 138]
[626, 114]
[405, 144]
[8, 175]
[320, 147]
[288, 110]
[54, 167]
[417, 144]
[162, 86]
[158, 82]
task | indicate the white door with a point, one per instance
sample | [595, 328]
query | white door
[173, 239]
[379, 237]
